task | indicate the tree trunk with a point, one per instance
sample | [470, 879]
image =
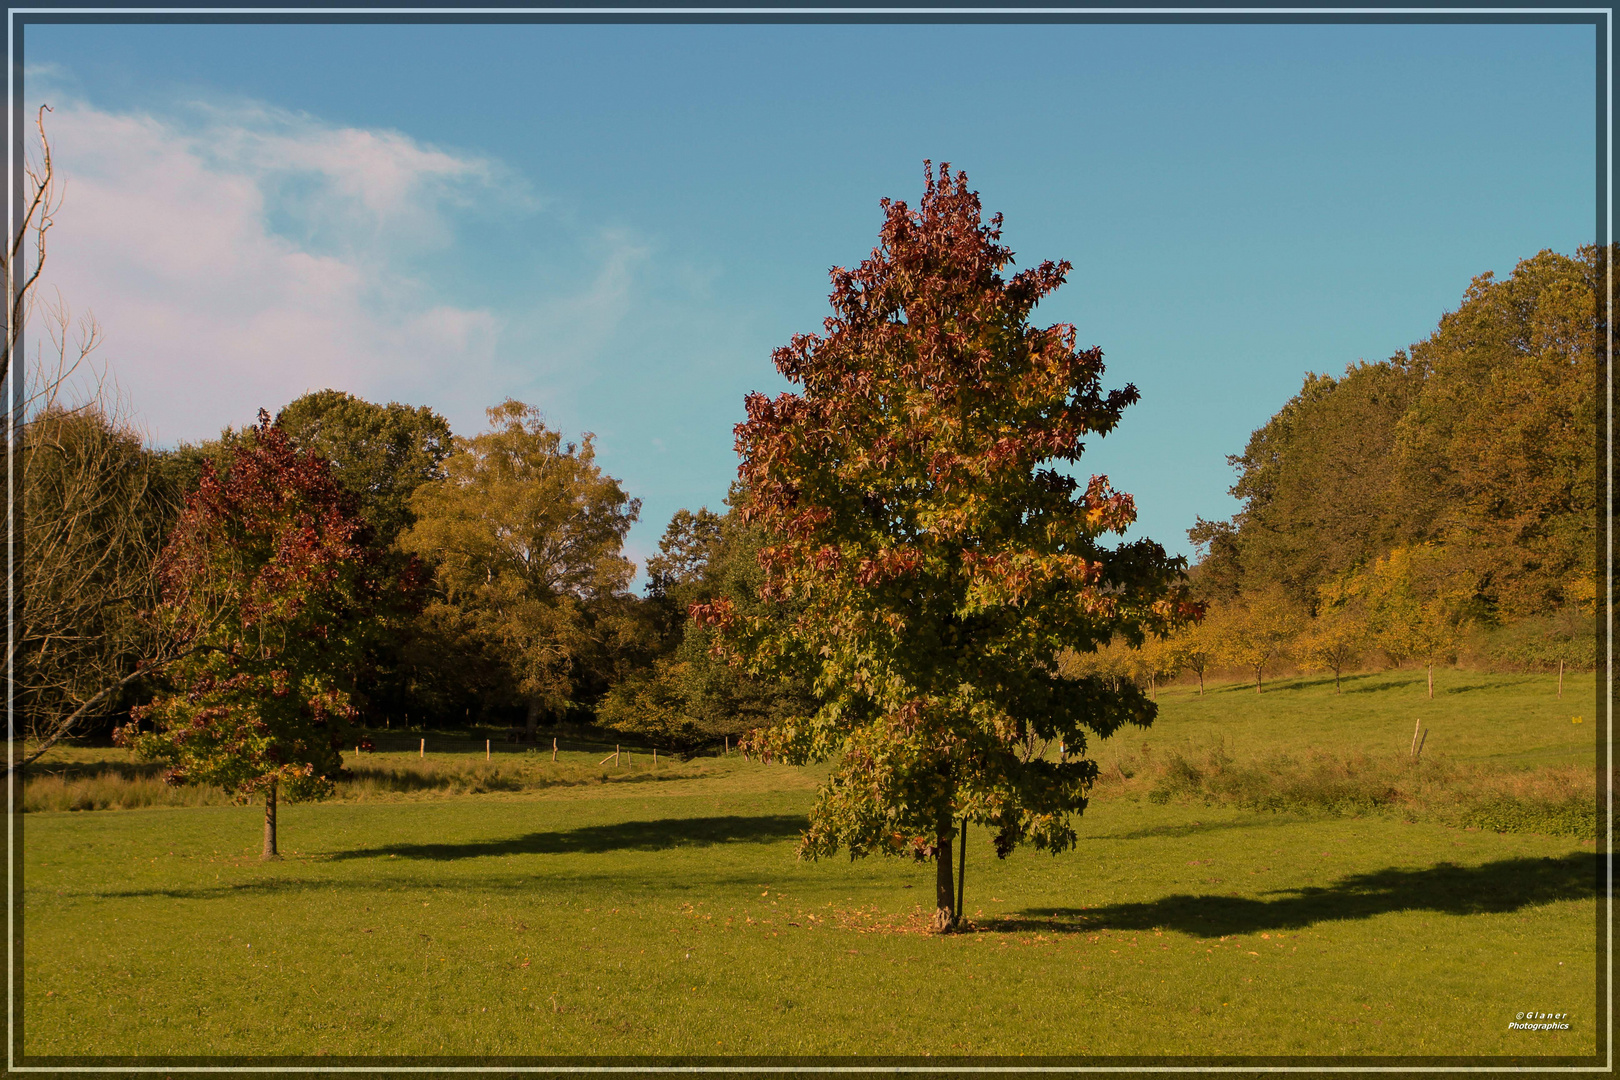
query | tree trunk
[1257, 674]
[1560, 680]
[961, 872]
[1431, 681]
[1336, 689]
[944, 887]
[1200, 683]
[270, 824]
[1153, 687]
[532, 721]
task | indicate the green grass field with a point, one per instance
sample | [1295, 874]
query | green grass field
[661, 912]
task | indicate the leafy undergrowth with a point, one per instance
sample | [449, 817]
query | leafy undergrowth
[1551, 800]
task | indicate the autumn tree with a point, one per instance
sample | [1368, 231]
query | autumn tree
[1153, 660]
[380, 454]
[911, 507]
[1414, 600]
[1481, 439]
[273, 574]
[1332, 640]
[1497, 454]
[1257, 631]
[525, 534]
[1111, 662]
[1193, 648]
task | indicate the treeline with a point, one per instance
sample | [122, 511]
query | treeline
[1436, 506]
[1441, 504]
[502, 553]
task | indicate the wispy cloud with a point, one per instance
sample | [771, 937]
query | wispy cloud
[240, 256]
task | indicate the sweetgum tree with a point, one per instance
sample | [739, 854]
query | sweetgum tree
[936, 560]
[270, 572]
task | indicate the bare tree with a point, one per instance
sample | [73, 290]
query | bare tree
[91, 520]
[28, 232]
[88, 511]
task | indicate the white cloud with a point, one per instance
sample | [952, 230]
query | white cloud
[244, 258]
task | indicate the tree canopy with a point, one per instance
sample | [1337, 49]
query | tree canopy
[1480, 441]
[378, 453]
[940, 562]
[272, 574]
[525, 536]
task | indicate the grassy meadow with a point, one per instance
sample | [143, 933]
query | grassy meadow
[445, 905]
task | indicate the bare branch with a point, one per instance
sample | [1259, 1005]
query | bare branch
[44, 199]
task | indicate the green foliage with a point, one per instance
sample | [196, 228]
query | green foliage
[271, 576]
[940, 563]
[379, 453]
[525, 535]
[1498, 452]
[1316, 480]
[690, 697]
[1568, 637]
[688, 554]
[1481, 442]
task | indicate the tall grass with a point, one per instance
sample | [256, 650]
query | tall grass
[114, 785]
[1553, 800]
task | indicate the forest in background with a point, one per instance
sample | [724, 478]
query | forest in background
[1437, 507]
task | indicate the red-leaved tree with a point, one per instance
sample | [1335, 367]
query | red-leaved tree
[936, 561]
[271, 574]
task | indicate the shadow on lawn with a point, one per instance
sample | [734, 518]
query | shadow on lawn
[1270, 820]
[1494, 888]
[597, 839]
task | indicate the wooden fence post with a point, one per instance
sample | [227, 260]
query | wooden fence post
[486, 749]
[421, 751]
[554, 749]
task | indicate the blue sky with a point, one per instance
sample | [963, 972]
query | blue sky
[618, 223]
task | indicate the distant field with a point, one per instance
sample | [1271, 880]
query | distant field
[663, 913]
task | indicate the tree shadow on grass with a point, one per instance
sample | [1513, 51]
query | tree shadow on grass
[1380, 687]
[1271, 820]
[1494, 888]
[657, 835]
[1297, 682]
